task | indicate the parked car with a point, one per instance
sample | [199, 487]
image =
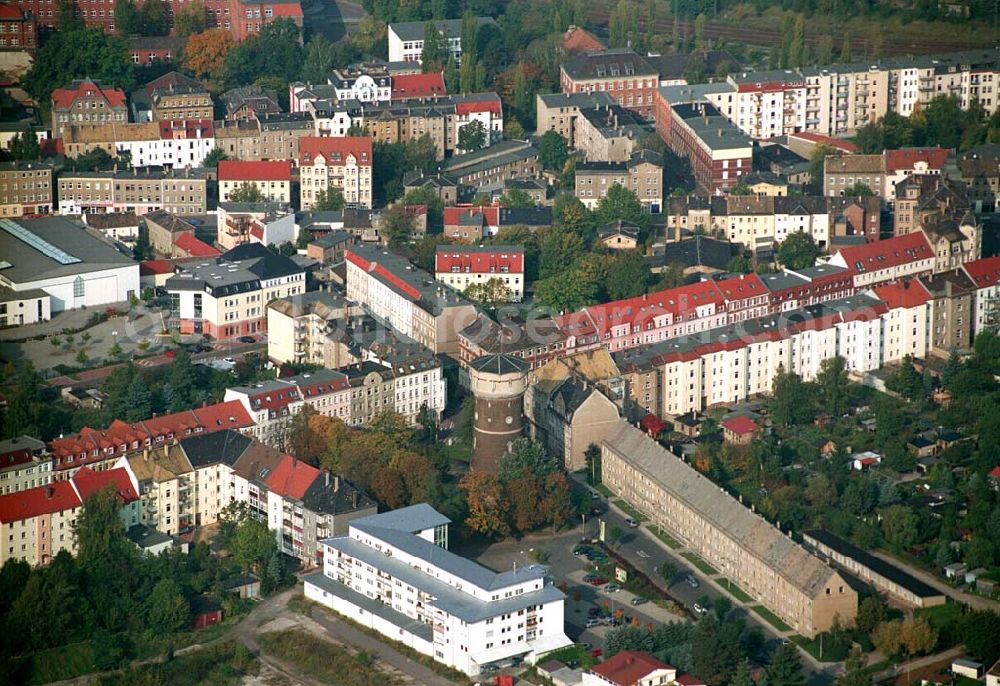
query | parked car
[588, 578]
[247, 339]
[692, 582]
[699, 610]
[229, 360]
[598, 581]
[592, 622]
[612, 588]
[582, 550]
[594, 612]
[631, 522]
[639, 600]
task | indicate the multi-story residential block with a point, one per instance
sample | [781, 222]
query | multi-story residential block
[888, 260]
[250, 102]
[537, 342]
[98, 449]
[18, 28]
[567, 416]
[629, 78]
[329, 248]
[239, 139]
[608, 134]
[306, 506]
[462, 266]
[952, 311]
[268, 223]
[642, 174]
[272, 178]
[272, 404]
[471, 224]
[980, 171]
[407, 298]
[170, 144]
[227, 297]
[798, 587]
[163, 229]
[249, 16]
[87, 102]
[410, 86]
[985, 274]
[362, 84]
[51, 265]
[297, 326]
[24, 463]
[842, 172]
[25, 188]
[719, 153]
[176, 96]
[280, 135]
[180, 192]
[559, 112]
[837, 100]
[907, 163]
[462, 615]
[343, 163]
[406, 39]
[38, 523]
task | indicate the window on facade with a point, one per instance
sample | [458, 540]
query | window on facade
[78, 287]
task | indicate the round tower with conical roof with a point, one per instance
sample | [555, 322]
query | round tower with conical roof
[498, 384]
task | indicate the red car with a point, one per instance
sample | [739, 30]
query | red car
[598, 581]
[596, 652]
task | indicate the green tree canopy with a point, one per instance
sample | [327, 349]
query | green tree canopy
[553, 151]
[472, 136]
[798, 250]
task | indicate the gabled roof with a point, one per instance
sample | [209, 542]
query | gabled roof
[335, 150]
[906, 158]
[195, 246]
[903, 294]
[628, 667]
[63, 98]
[214, 448]
[984, 272]
[291, 478]
[740, 425]
[616, 63]
[580, 40]
[262, 170]
[33, 502]
[418, 85]
[890, 252]
[88, 482]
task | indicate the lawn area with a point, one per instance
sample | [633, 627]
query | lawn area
[703, 566]
[631, 511]
[818, 650]
[603, 490]
[61, 663]
[573, 653]
[771, 618]
[940, 615]
[326, 661]
[735, 590]
[669, 540]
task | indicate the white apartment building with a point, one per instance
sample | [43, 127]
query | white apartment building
[273, 178]
[393, 573]
[179, 144]
[406, 40]
[888, 260]
[24, 463]
[461, 266]
[344, 163]
[985, 274]
[907, 324]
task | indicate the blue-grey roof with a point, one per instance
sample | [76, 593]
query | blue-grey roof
[410, 519]
[463, 605]
[379, 609]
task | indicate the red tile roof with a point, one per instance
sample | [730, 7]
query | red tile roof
[995, 472]
[905, 158]
[903, 294]
[688, 680]
[418, 85]
[496, 259]
[88, 482]
[628, 667]
[33, 502]
[195, 247]
[291, 478]
[263, 170]
[984, 272]
[121, 437]
[740, 425]
[147, 267]
[63, 98]
[453, 215]
[580, 40]
[891, 252]
[484, 105]
[335, 151]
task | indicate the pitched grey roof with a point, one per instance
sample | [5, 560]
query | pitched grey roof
[408, 519]
[718, 509]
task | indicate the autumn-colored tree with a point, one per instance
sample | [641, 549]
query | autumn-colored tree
[523, 494]
[918, 636]
[487, 504]
[388, 487]
[314, 437]
[887, 638]
[205, 53]
[420, 476]
[556, 506]
[365, 453]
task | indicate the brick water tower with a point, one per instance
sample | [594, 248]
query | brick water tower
[498, 384]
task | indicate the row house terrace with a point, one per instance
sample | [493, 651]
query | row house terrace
[96, 448]
[888, 260]
[985, 276]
